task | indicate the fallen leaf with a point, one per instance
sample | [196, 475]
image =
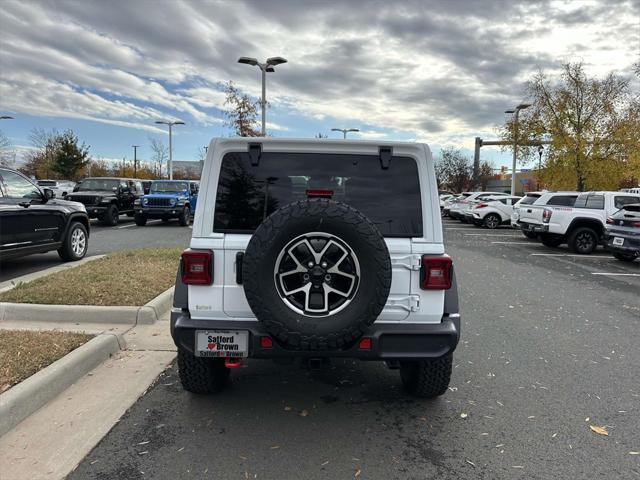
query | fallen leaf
[325, 463]
[144, 443]
[274, 447]
[634, 453]
[287, 408]
[357, 474]
[470, 462]
[464, 415]
[304, 413]
[599, 430]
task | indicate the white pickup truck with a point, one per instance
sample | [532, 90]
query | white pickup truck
[580, 226]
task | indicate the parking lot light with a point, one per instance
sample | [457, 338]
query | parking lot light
[170, 124]
[266, 67]
[345, 131]
[515, 111]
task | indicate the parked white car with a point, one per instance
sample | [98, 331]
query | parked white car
[465, 215]
[60, 187]
[581, 226]
[457, 204]
[493, 211]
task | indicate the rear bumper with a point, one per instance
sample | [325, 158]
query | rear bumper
[533, 227]
[389, 341]
[631, 243]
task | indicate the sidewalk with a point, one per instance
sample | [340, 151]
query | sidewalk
[50, 443]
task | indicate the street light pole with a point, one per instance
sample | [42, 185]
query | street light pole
[135, 160]
[265, 67]
[170, 124]
[516, 111]
[345, 131]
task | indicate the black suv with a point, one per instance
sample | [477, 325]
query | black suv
[106, 198]
[33, 221]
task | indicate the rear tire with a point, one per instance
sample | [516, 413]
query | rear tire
[551, 240]
[141, 220]
[201, 375]
[76, 243]
[583, 240]
[492, 221]
[427, 378]
[184, 218]
[624, 257]
[111, 216]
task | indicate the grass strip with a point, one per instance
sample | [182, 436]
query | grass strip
[128, 278]
[25, 352]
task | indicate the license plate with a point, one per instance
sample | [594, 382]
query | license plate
[221, 343]
[618, 241]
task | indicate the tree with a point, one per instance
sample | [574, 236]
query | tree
[485, 173]
[7, 153]
[454, 169]
[241, 113]
[159, 156]
[585, 119]
[68, 157]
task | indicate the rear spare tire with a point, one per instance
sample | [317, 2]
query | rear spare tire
[316, 273]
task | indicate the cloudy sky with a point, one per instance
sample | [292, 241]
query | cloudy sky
[436, 71]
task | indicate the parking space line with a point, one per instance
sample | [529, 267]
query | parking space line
[617, 274]
[518, 243]
[492, 235]
[570, 255]
[134, 225]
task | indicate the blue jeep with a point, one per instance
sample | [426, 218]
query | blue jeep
[168, 199]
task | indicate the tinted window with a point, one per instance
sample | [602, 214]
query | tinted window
[389, 198]
[590, 201]
[17, 186]
[562, 200]
[620, 202]
[98, 184]
[175, 187]
[529, 199]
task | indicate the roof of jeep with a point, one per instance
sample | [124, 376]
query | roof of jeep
[309, 141]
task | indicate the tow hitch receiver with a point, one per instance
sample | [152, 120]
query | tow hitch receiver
[230, 362]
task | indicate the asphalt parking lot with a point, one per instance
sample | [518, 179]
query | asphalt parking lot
[549, 348]
[124, 236]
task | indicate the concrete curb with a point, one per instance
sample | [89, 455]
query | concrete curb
[22, 400]
[145, 315]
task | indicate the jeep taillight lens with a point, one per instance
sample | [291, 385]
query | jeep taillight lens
[435, 273]
[197, 267]
[546, 215]
[482, 205]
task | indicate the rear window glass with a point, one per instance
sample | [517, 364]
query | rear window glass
[529, 199]
[620, 202]
[590, 201]
[389, 198]
[562, 200]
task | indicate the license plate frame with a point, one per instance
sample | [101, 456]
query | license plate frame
[221, 343]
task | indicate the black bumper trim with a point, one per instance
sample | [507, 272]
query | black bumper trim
[390, 341]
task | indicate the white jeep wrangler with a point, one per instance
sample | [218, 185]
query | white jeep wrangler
[315, 249]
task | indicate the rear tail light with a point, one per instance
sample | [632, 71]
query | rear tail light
[319, 193]
[266, 342]
[197, 267]
[635, 224]
[546, 215]
[481, 205]
[435, 273]
[365, 343]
